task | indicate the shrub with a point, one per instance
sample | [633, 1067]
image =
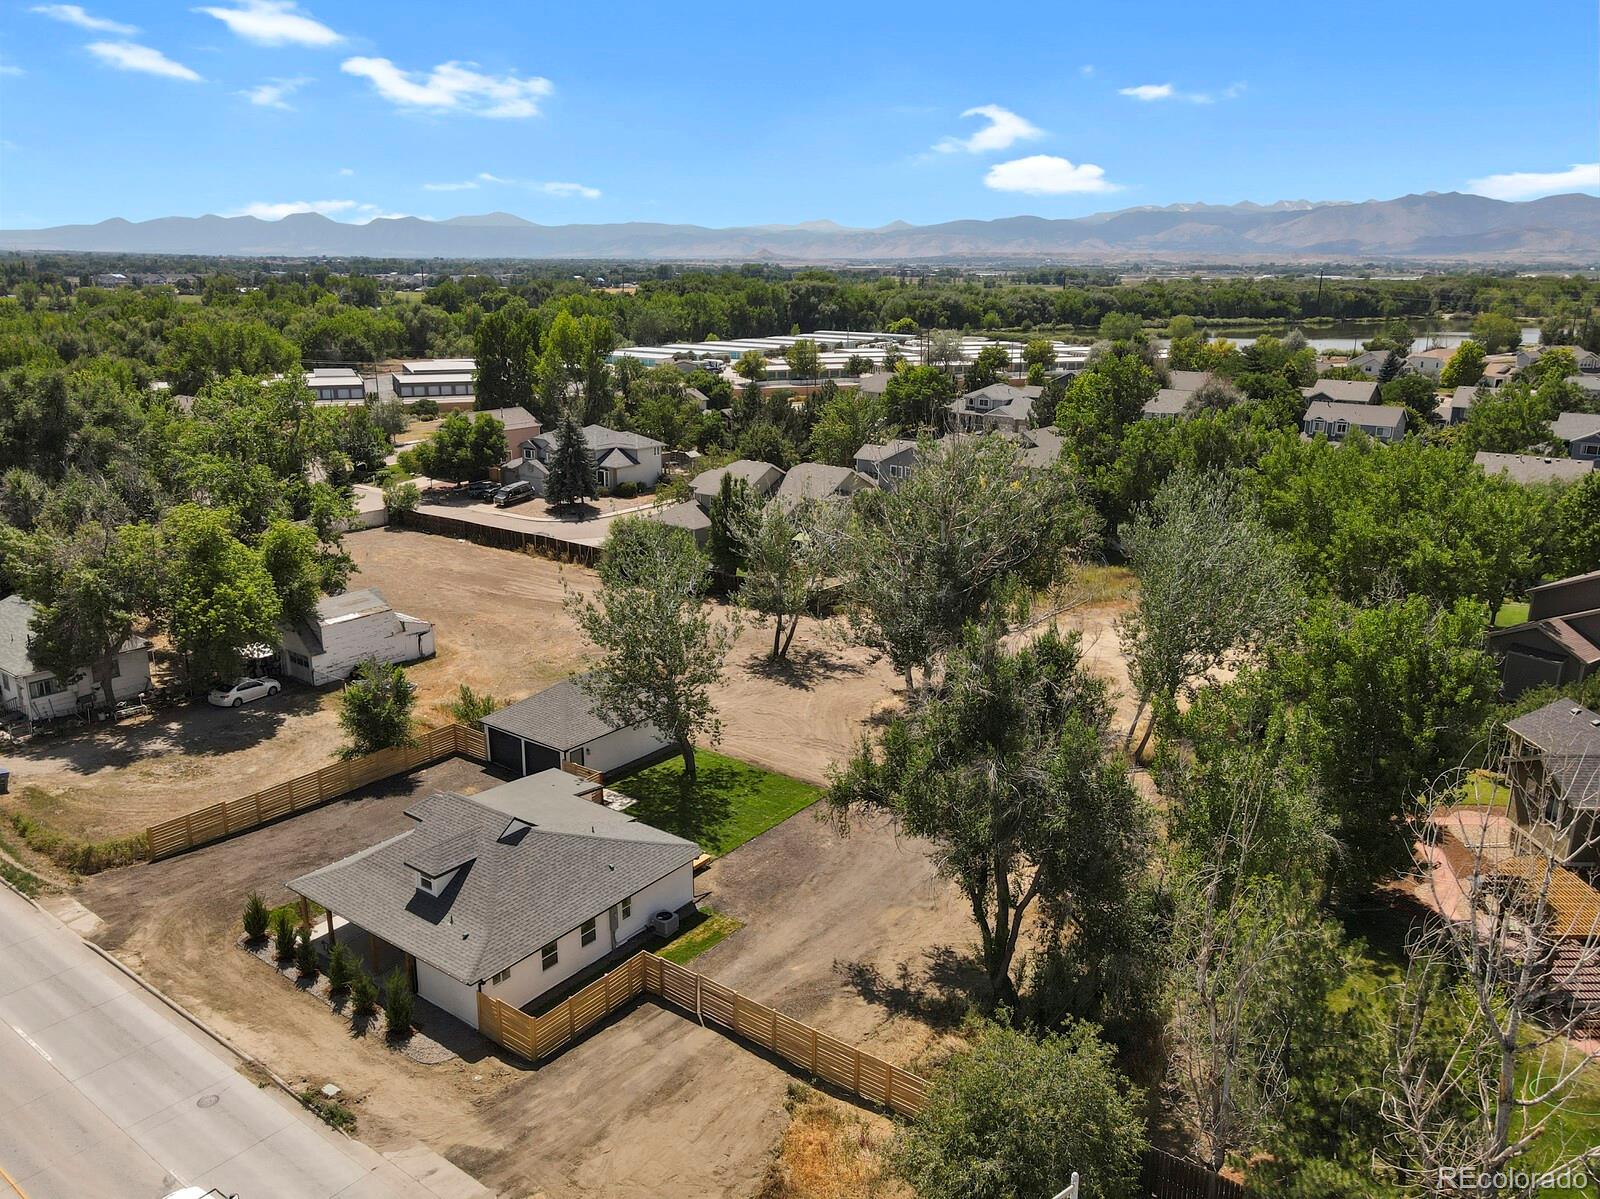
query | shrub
[400, 497]
[332, 1113]
[305, 955]
[397, 1004]
[363, 996]
[77, 855]
[341, 969]
[256, 918]
[283, 933]
[375, 708]
[469, 707]
[625, 491]
[424, 409]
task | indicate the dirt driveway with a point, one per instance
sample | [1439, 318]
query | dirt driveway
[855, 934]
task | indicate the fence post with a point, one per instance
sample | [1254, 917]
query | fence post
[813, 1051]
[188, 829]
[888, 1085]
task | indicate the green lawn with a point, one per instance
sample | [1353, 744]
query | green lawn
[1484, 791]
[1511, 612]
[708, 929]
[732, 801]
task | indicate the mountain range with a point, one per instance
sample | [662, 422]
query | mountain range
[1437, 227]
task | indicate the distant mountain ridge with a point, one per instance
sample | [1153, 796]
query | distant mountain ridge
[1435, 226]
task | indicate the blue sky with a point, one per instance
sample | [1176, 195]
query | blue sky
[723, 114]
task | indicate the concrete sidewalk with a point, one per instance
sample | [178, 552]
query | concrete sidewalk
[107, 1091]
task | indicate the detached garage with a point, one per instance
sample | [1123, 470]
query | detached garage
[558, 727]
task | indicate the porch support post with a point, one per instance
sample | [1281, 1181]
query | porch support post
[331, 941]
[305, 912]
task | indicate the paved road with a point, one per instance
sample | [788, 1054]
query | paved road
[104, 1091]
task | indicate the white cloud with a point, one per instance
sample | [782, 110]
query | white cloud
[564, 190]
[1004, 129]
[1526, 185]
[452, 87]
[274, 93]
[73, 14]
[347, 171]
[274, 23]
[8, 69]
[1086, 70]
[568, 189]
[1047, 175]
[271, 211]
[130, 56]
[1147, 92]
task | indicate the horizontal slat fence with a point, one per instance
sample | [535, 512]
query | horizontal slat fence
[825, 1057]
[232, 816]
[1167, 1177]
[495, 537]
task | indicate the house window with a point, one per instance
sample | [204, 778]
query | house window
[586, 934]
[548, 956]
[501, 977]
[300, 660]
[627, 907]
[43, 687]
[1341, 427]
[1591, 451]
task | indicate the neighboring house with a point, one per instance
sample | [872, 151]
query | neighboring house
[1588, 361]
[36, 694]
[999, 406]
[887, 463]
[509, 892]
[1188, 380]
[336, 385]
[874, 384]
[761, 477]
[558, 726]
[521, 425]
[1429, 363]
[1044, 446]
[1581, 432]
[1453, 409]
[685, 515]
[1341, 391]
[618, 457]
[818, 481]
[1169, 401]
[349, 629]
[697, 397]
[1553, 765]
[1529, 469]
[1559, 643]
[1370, 362]
[1498, 370]
[436, 379]
[526, 469]
[1383, 421]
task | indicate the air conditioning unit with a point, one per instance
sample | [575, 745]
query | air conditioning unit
[665, 923]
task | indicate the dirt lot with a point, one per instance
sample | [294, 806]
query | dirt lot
[652, 1104]
[501, 628]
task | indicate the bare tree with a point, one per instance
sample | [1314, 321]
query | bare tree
[1499, 1011]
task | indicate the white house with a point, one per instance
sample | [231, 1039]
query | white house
[39, 695]
[619, 457]
[509, 892]
[348, 629]
[557, 726]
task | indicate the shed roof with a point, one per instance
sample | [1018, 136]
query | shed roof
[561, 716]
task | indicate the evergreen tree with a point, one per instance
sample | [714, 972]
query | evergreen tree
[571, 466]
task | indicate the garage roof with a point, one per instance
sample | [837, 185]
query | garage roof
[560, 717]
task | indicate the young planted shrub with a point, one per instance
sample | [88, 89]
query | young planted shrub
[397, 1004]
[256, 917]
[363, 996]
[283, 937]
[341, 969]
[305, 955]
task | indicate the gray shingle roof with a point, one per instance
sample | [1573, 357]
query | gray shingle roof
[561, 717]
[1169, 401]
[1342, 391]
[817, 481]
[1571, 426]
[877, 451]
[509, 896]
[1376, 416]
[16, 615]
[1567, 735]
[1187, 380]
[1530, 468]
[762, 477]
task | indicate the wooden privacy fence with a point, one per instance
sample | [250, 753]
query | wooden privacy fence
[220, 820]
[1166, 1177]
[825, 1057]
[544, 544]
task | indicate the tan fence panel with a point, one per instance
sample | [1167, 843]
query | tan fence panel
[224, 819]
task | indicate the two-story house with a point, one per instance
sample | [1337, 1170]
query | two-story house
[1553, 765]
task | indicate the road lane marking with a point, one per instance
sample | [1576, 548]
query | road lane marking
[37, 1048]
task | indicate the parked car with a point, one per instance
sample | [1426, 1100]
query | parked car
[513, 493]
[482, 489]
[242, 692]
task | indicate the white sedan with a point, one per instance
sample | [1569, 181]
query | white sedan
[243, 692]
